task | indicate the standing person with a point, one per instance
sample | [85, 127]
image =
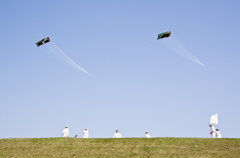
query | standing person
[65, 132]
[117, 135]
[147, 135]
[212, 131]
[86, 133]
[218, 133]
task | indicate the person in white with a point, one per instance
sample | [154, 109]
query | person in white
[86, 133]
[212, 131]
[147, 135]
[65, 132]
[117, 135]
[218, 133]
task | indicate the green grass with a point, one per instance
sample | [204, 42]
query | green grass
[124, 147]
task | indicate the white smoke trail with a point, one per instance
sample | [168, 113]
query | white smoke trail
[52, 47]
[178, 48]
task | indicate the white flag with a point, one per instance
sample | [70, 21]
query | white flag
[214, 119]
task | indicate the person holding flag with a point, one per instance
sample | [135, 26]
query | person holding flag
[213, 120]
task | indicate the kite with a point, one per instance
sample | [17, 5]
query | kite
[164, 34]
[53, 48]
[176, 46]
[43, 41]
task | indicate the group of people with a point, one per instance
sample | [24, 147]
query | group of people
[85, 134]
[65, 133]
[213, 133]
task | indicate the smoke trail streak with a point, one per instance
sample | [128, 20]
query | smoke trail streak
[54, 49]
[178, 48]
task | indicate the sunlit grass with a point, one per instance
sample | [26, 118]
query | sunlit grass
[124, 147]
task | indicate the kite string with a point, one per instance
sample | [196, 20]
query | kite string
[60, 55]
[187, 53]
[63, 56]
[178, 48]
[151, 42]
[53, 48]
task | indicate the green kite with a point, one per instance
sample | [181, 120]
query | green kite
[164, 34]
[43, 41]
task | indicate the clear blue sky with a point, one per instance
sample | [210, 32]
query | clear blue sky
[133, 89]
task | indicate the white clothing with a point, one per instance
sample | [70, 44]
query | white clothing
[117, 135]
[212, 132]
[86, 134]
[148, 135]
[218, 133]
[65, 133]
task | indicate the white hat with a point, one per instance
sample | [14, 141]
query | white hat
[66, 126]
[146, 131]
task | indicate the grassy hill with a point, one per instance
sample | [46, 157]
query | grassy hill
[125, 147]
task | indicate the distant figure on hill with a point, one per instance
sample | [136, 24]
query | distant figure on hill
[147, 135]
[212, 131]
[65, 132]
[218, 133]
[75, 136]
[117, 135]
[86, 133]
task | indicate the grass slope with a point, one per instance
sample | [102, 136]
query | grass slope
[125, 147]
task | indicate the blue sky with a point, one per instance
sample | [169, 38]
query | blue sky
[133, 88]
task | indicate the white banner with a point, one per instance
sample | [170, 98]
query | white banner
[214, 119]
